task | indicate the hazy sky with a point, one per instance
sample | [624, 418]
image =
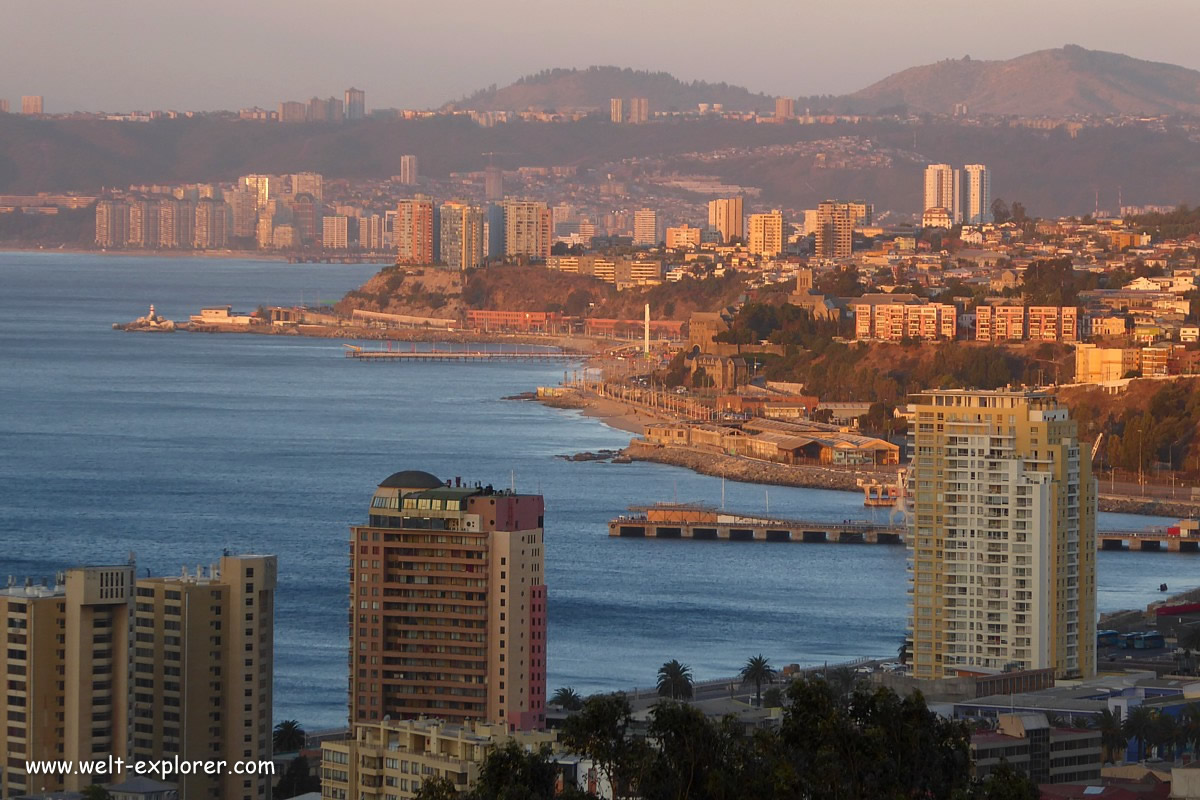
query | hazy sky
[226, 54]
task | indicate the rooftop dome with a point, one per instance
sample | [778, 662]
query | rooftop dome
[411, 479]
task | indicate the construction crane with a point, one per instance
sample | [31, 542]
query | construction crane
[1096, 445]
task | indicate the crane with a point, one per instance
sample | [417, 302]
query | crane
[1096, 445]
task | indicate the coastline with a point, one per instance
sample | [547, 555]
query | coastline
[622, 417]
[230, 255]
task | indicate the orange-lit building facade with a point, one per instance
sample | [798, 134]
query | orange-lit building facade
[448, 604]
[413, 232]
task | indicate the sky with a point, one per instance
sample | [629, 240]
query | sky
[123, 55]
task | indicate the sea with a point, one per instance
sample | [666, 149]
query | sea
[173, 448]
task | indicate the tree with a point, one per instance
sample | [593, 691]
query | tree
[511, 773]
[298, 779]
[1005, 783]
[675, 680]
[566, 698]
[1139, 726]
[95, 791]
[758, 670]
[598, 731]
[438, 788]
[873, 744]
[1000, 211]
[289, 737]
[1112, 736]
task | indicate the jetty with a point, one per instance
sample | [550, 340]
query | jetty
[691, 521]
[459, 356]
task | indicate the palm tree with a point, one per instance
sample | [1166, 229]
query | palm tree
[1168, 733]
[675, 680]
[1139, 726]
[1112, 737]
[289, 737]
[566, 698]
[758, 670]
[1191, 726]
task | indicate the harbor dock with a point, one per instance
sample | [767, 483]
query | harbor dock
[460, 356]
[686, 521]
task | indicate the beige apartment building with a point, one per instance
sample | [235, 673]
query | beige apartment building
[1002, 535]
[835, 229]
[1101, 364]
[766, 234]
[726, 218]
[389, 760]
[449, 605]
[528, 229]
[103, 664]
[1000, 323]
[683, 237]
[203, 668]
[893, 317]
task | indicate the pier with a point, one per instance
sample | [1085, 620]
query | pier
[460, 356]
[676, 521]
[1149, 540]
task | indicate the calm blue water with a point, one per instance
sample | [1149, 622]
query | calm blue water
[177, 446]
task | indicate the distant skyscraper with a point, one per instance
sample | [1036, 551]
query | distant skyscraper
[943, 189]
[527, 229]
[639, 110]
[616, 110]
[309, 183]
[3, 106]
[263, 187]
[356, 104]
[835, 230]
[725, 217]
[335, 232]
[977, 188]
[370, 232]
[493, 184]
[112, 223]
[243, 213]
[143, 223]
[413, 234]
[293, 111]
[1002, 535]
[645, 228]
[448, 615]
[462, 244]
[306, 219]
[211, 230]
[408, 170]
[176, 220]
[785, 109]
[765, 236]
[32, 104]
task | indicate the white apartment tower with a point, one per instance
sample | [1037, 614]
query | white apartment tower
[408, 170]
[645, 228]
[943, 189]
[977, 200]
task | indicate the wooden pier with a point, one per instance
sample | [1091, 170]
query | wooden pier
[675, 521]
[459, 356]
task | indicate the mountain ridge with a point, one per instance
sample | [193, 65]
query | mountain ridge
[1062, 81]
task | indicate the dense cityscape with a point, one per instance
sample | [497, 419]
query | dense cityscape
[826, 298]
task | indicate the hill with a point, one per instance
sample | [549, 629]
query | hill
[1069, 80]
[593, 87]
[432, 292]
